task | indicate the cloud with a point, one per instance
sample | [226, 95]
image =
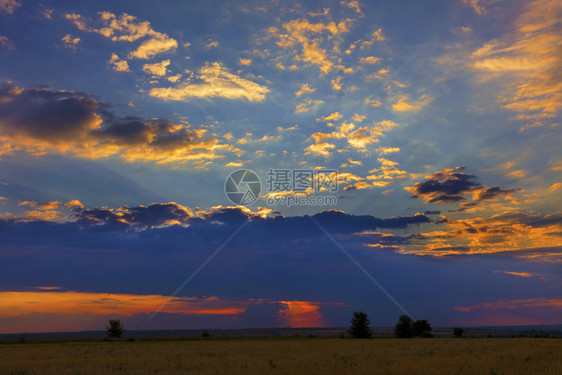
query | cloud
[304, 88]
[518, 274]
[42, 120]
[245, 62]
[126, 28]
[212, 44]
[310, 43]
[152, 47]
[6, 42]
[372, 102]
[70, 41]
[154, 215]
[216, 81]
[336, 83]
[524, 64]
[403, 105]
[451, 185]
[511, 304]
[353, 4]
[301, 314]
[336, 116]
[64, 302]
[369, 60]
[157, 69]
[270, 247]
[388, 150]
[357, 138]
[117, 64]
[59, 310]
[479, 6]
[308, 105]
[518, 234]
[47, 13]
[8, 6]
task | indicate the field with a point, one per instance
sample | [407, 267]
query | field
[286, 356]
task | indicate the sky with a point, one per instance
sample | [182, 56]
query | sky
[391, 157]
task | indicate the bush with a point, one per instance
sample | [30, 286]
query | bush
[359, 328]
[115, 328]
[458, 332]
[205, 333]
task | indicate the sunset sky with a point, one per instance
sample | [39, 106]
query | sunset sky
[120, 122]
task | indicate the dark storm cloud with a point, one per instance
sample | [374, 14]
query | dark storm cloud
[445, 186]
[54, 116]
[156, 214]
[41, 120]
[451, 185]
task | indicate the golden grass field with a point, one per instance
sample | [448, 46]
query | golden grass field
[287, 356]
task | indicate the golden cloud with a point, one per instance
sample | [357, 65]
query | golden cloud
[308, 105]
[304, 88]
[357, 138]
[157, 69]
[126, 28]
[515, 233]
[311, 42]
[403, 104]
[152, 47]
[117, 64]
[216, 81]
[526, 61]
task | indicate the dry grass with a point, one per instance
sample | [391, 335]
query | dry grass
[287, 356]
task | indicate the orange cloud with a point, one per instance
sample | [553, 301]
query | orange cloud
[526, 63]
[301, 314]
[555, 303]
[71, 302]
[515, 233]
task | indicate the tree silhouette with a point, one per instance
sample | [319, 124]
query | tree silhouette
[115, 328]
[458, 332]
[422, 328]
[359, 328]
[404, 327]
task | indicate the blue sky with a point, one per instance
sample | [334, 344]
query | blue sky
[119, 123]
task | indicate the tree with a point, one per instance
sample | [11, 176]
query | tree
[404, 327]
[422, 328]
[458, 332]
[359, 328]
[115, 328]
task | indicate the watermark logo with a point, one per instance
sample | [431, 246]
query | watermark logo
[242, 187]
[284, 187]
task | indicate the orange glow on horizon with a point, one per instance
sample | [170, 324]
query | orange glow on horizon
[57, 302]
